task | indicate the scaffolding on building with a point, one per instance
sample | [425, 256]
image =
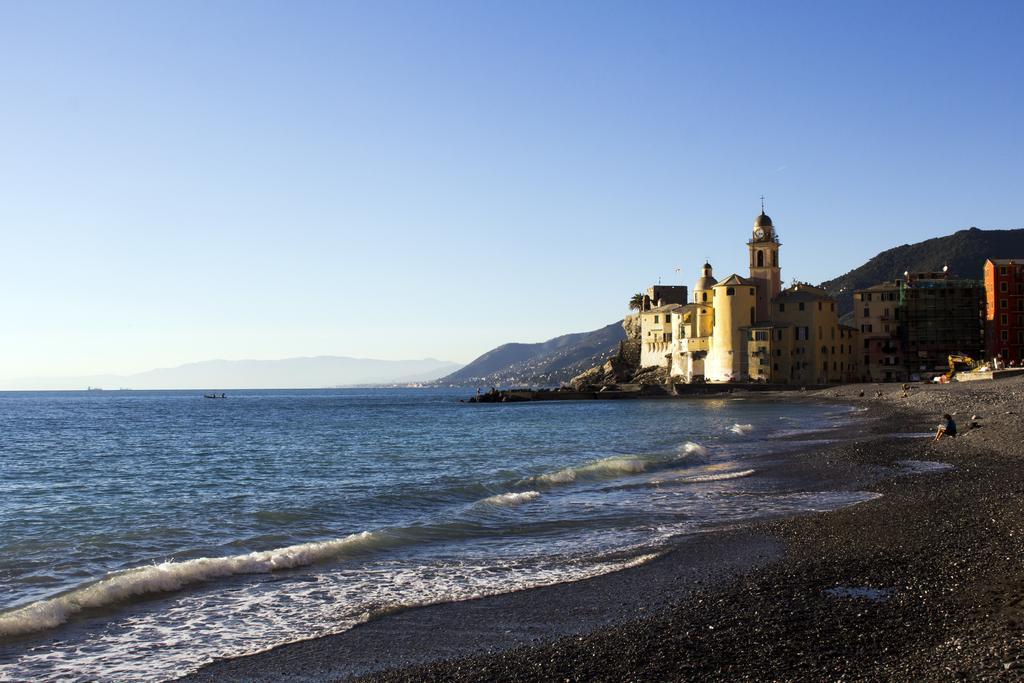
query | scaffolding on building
[940, 316]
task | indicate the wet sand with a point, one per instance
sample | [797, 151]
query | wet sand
[923, 583]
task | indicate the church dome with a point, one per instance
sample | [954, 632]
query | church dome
[705, 283]
[763, 221]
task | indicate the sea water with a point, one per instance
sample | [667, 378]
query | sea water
[143, 534]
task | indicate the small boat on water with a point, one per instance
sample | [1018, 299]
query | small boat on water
[214, 395]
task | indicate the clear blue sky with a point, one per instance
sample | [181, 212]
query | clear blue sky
[182, 181]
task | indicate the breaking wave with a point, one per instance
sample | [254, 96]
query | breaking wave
[741, 429]
[691, 448]
[599, 469]
[510, 499]
[170, 576]
[616, 466]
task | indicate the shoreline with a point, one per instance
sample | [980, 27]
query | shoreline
[427, 642]
[923, 583]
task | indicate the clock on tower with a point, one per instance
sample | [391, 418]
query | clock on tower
[764, 263]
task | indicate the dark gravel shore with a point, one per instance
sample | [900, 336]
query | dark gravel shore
[923, 583]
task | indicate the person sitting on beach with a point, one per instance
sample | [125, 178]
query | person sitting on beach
[946, 429]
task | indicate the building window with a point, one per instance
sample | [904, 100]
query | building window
[775, 366]
[1002, 270]
[1003, 319]
[782, 308]
[832, 306]
[1002, 303]
[655, 318]
[703, 297]
[751, 291]
[729, 291]
[801, 305]
[760, 259]
[1004, 287]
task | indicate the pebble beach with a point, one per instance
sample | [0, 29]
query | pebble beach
[923, 582]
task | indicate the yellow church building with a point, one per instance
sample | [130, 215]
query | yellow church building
[749, 329]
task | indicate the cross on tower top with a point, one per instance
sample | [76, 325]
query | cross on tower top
[762, 203]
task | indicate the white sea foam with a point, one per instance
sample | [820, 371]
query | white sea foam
[741, 429]
[171, 576]
[196, 627]
[510, 499]
[691, 448]
[717, 476]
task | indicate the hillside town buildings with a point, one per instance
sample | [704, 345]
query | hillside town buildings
[750, 329]
[912, 325]
[744, 329]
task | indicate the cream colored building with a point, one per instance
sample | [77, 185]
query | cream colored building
[656, 336]
[745, 329]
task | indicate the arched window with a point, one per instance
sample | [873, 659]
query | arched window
[760, 259]
[775, 259]
[704, 296]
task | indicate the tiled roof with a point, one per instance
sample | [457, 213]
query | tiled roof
[735, 279]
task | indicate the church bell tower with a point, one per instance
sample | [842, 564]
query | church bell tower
[764, 263]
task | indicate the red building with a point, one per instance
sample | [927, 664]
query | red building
[1004, 310]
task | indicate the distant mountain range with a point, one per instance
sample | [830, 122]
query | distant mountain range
[964, 252]
[558, 360]
[548, 363]
[288, 373]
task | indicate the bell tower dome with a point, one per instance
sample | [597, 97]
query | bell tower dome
[764, 262]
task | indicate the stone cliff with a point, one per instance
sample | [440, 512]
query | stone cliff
[624, 366]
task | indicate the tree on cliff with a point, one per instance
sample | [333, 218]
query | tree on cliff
[637, 302]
